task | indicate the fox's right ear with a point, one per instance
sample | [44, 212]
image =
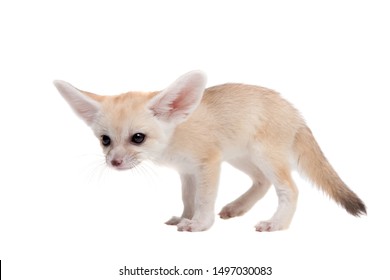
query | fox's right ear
[82, 104]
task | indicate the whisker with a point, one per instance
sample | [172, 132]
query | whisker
[93, 170]
[142, 171]
[149, 172]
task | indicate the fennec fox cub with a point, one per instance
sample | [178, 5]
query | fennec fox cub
[194, 129]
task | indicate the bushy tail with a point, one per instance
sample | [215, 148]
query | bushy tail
[313, 164]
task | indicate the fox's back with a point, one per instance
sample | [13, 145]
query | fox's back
[246, 101]
[235, 117]
[250, 109]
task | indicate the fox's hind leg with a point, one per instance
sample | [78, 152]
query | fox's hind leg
[279, 173]
[246, 201]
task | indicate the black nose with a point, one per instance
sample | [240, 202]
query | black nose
[116, 162]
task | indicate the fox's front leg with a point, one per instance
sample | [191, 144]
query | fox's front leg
[205, 193]
[188, 186]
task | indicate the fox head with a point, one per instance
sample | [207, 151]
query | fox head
[135, 126]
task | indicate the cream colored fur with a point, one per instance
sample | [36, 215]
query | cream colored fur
[194, 129]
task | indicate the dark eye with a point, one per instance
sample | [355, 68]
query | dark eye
[138, 138]
[106, 141]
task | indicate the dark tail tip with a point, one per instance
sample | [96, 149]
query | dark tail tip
[355, 207]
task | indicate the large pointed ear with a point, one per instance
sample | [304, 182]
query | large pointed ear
[180, 99]
[82, 103]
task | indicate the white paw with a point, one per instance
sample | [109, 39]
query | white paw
[231, 210]
[174, 221]
[270, 225]
[192, 225]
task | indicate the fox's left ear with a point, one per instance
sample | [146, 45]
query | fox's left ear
[177, 102]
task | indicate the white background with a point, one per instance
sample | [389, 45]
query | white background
[63, 215]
